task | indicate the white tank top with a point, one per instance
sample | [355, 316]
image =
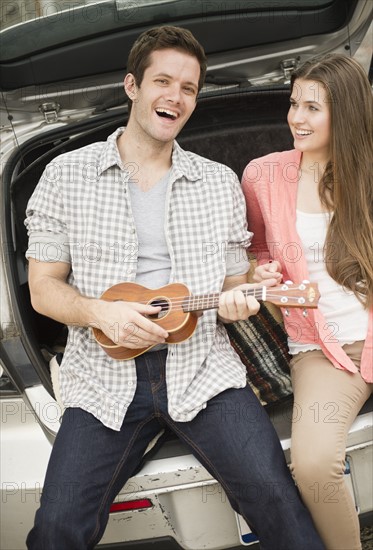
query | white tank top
[346, 319]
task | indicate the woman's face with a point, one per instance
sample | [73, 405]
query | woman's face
[309, 118]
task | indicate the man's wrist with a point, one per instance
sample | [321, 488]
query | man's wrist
[89, 309]
[224, 320]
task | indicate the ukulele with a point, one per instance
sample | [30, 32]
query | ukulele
[178, 313]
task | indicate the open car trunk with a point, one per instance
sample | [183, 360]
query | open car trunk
[61, 85]
[231, 127]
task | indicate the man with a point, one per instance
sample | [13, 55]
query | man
[152, 213]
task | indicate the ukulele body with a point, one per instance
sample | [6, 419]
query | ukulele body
[179, 324]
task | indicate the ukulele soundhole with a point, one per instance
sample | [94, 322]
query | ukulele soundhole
[164, 304]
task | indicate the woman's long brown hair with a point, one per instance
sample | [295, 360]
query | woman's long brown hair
[346, 187]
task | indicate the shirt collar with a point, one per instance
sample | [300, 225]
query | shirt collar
[182, 163]
[110, 154]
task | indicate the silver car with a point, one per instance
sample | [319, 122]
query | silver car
[62, 65]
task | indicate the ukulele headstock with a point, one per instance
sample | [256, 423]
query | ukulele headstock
[304, 295]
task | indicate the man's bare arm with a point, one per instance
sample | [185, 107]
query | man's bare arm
[52, 296]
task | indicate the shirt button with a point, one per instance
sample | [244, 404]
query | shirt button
[130, 383]
[129, 271]
[133, 231]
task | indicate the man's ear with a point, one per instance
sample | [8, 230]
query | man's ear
[130, 86]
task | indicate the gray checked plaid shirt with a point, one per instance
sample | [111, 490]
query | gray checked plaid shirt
[80, 213]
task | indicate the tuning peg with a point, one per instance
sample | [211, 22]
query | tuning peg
[289, 282]
[305, 313]
[306, 281]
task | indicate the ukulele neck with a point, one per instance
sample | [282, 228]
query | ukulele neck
[203, 302]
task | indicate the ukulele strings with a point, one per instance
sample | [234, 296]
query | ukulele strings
[207, 301]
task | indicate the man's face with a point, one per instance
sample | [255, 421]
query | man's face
[167, 95]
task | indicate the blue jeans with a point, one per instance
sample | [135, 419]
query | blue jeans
[233, 438]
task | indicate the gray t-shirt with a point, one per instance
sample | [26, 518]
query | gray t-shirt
[148, 208]
[154, 262]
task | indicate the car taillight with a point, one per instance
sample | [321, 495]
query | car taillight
[131, 505]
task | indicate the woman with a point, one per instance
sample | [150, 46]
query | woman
[311, 211]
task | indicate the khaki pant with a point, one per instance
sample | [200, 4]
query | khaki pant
[326, 402]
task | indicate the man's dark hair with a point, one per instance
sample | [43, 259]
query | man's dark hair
[161, 38]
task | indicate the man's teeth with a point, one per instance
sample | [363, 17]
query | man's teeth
[166, 113]
[304, 132]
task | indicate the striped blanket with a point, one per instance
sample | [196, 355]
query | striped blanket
[261, 343]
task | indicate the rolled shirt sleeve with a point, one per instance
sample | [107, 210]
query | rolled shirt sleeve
[45, 220]
[48, 247]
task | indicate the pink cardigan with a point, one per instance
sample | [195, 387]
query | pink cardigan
[270, 187]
